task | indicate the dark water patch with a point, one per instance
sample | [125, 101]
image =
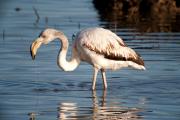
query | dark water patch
[70, 85]
[84, 85]
[41, 90]
[115, 77]
[55, 84]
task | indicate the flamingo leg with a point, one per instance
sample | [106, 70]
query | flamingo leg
[104, 78]
[94, 78]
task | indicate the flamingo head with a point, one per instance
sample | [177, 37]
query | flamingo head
[45, 37]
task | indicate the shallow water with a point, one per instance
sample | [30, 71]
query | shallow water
[40, 90]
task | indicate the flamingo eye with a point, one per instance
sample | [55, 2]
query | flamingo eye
[43, 36]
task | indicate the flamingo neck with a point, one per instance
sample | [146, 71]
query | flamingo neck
[62, 62]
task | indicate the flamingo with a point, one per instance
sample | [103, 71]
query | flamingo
[97, 46]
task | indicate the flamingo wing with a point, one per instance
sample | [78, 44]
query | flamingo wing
[106, 43]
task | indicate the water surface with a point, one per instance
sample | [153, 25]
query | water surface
[40, 90]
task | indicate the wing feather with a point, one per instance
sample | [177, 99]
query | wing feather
[108, 44]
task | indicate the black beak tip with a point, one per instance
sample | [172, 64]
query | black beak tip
[32, 55]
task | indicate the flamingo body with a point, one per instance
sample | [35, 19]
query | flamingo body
[99, 47]
[105, 50]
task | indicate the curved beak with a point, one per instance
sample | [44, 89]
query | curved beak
[34, 47]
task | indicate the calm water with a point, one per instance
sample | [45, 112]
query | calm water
[39, 90]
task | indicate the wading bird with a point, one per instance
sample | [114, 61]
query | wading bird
[99, 47]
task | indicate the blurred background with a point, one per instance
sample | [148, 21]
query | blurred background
[144, 15]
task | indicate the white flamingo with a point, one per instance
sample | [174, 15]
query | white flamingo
[99, 47]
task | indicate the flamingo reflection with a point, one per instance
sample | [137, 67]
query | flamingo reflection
[100, 110]
[67, 111]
